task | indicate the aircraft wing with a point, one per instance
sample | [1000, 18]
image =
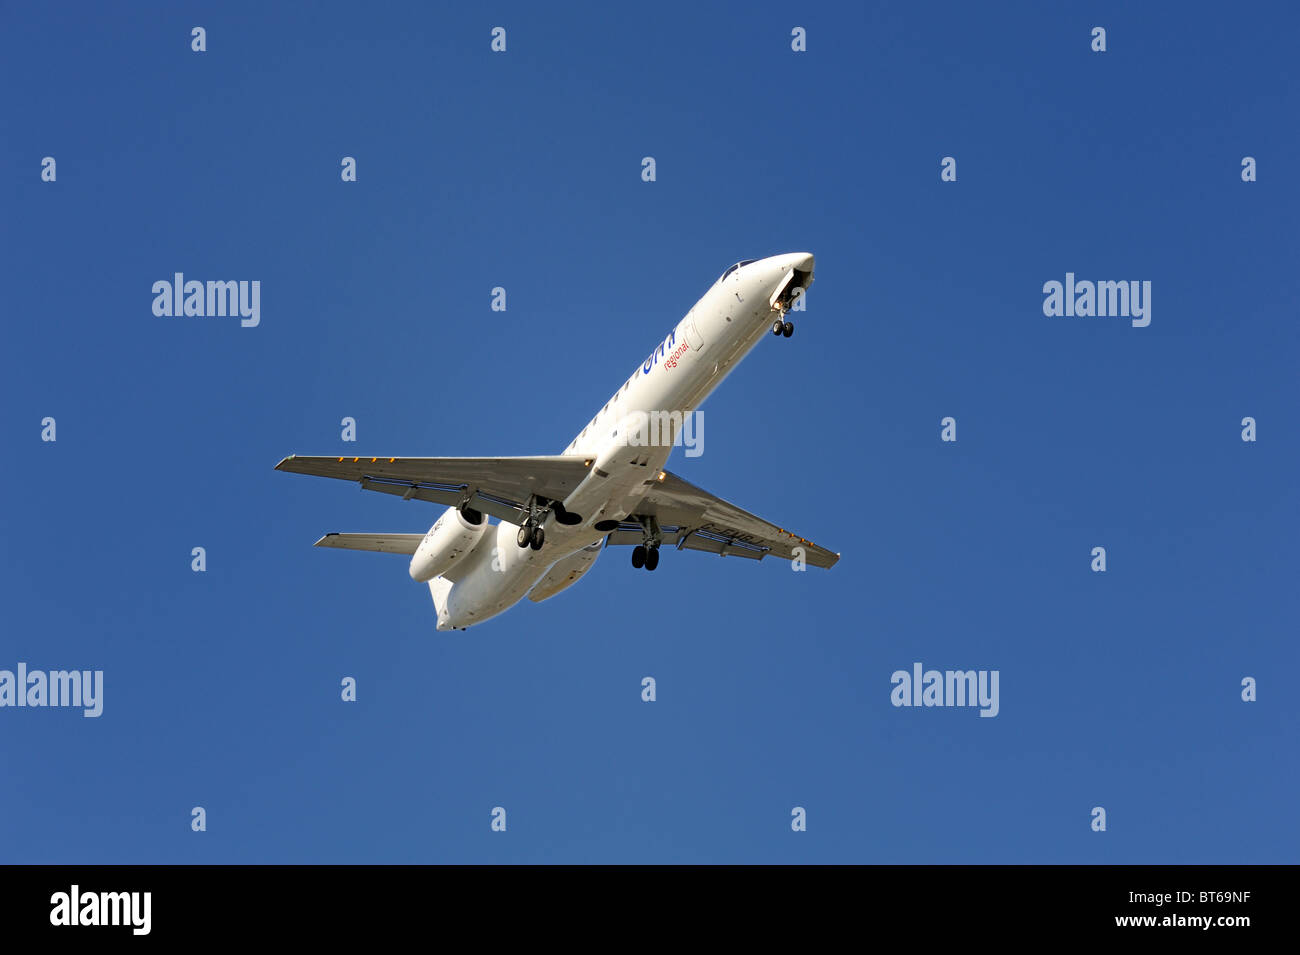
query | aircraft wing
[383, 543]
[497, 486]
[692, 518]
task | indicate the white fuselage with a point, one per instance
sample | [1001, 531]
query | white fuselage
[692, 360]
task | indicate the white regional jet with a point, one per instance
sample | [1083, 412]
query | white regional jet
[609, 484]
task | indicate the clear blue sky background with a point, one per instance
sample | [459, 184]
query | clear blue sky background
[522, 170]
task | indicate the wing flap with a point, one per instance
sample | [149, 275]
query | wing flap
[691, 518]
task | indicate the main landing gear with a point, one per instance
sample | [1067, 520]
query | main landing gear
[531, 533]
[647, 554]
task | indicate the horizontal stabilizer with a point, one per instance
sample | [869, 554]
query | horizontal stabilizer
[381, 543]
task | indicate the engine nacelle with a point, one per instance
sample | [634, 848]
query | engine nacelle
[450, 538]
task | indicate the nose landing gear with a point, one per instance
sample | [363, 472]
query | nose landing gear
[781, 326]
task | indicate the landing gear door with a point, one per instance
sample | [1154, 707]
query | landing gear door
[692, 333]
[780, 290]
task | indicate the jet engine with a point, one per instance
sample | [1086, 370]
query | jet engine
[451, 537]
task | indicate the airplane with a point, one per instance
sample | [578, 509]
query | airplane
[607, 488]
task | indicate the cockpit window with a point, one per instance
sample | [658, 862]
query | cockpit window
[736, 266]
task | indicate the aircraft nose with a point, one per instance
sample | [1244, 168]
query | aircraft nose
[790, 275]
[799, 261]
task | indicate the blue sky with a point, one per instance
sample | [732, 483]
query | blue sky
[522, 170]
